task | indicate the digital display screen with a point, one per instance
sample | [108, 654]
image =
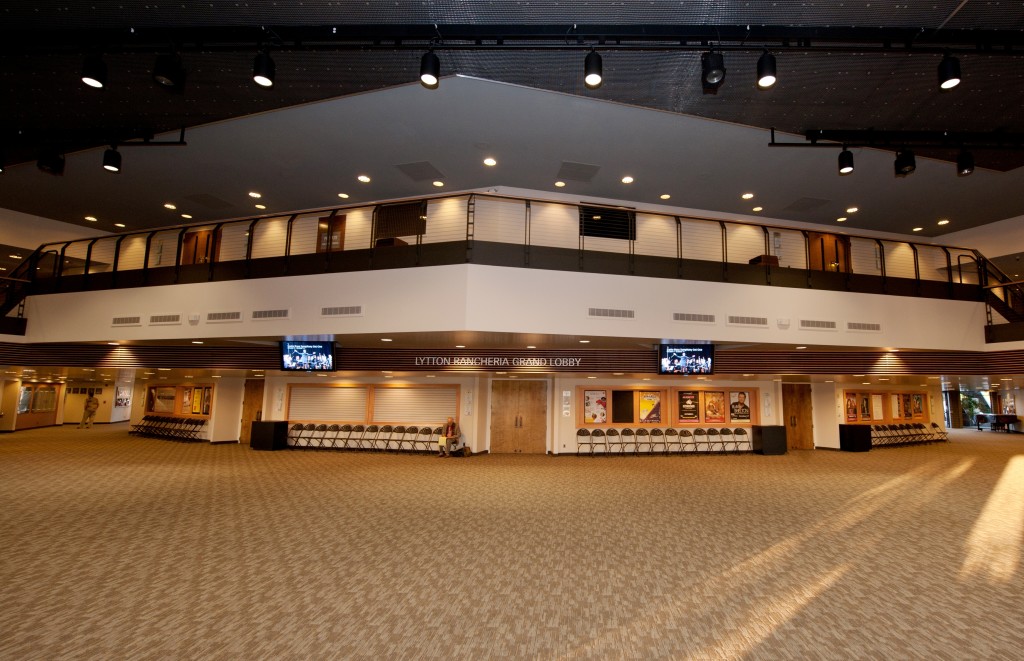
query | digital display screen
[304, 356]
[686, 359]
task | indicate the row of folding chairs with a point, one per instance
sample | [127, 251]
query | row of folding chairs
[665, 441]
[170, 427]
[363, 437]
[912, 432]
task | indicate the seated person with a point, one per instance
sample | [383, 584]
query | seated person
[449, 438]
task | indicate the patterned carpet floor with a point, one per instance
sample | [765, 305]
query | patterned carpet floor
[116, 547]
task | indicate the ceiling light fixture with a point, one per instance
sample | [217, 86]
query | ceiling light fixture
[121, 225]
[343, 196]
[852, 209]
[256, 195]
[430, 70]
[964, 163]
[712, 67]
[627, 179]
[766, 70]
[112, 160]
[169, 71]
[593, 70]
[949, 72]
[758, 209]
[943, 222]
[560, 184]
[363, 178]
[905, 163]
[439, 183]
[665, 196]
[94, 71]
[170, 206]
[263, 69]
[261, 206]
[845, 161]
[747, 196]
[91, 219]
[917, 229]
[490, 162]
[841, 219]
[186, 216]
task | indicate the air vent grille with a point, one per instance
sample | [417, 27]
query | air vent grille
[817, 324]
[222, 317]
[610, 313]
[126, 321]
[737, 320]
[342, 311]
[270, 314]
[164, 319]
[693, 317]
[863, 326]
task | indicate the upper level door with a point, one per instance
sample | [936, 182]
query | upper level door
[199, 247]
[828, 252]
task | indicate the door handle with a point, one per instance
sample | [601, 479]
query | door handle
[792, 421]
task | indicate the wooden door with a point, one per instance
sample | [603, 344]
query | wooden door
[198, 247]
[797, 412]
[330, 234]
[252, 407]
[828, 252]
[519, 417]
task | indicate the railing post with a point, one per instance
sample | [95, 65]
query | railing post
[145, 257]
[177, 255]
[917, 269]
[679, 247]
[214, 249]
[527, 227]
[288, 243]
[807, 257]
[725, 252]
[117, 259]
[248, 247]
[881, 263]
[88, 261]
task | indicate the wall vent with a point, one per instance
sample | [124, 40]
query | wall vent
[126, 321]
[222, 317]
[610, 313]
[736, 320]
[693, 317]
[342, 311]
[269, 314]
[863, 326]
[164, 319]
[817, 324]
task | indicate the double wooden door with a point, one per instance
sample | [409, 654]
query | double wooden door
[199, 247]
[519, 416]
[828, 252]
[798, 414]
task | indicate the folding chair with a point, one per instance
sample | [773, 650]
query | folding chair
[319, 435]
[409, 436]
[424, 438]
[939, 433]
[715, 441]
[700, 437]
[395, 435]
[612, 439]
[658, 438]
[357, 436]
[728, 442]
[597, 438]
[643, 437]
[628, 437]
[306, 436]
[583, 440]
[742, 440]
[294, 433]
[371, 434]
[686, 442]
[672, 440]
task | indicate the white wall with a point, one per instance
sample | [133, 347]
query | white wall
[29, 232]
[993, 240]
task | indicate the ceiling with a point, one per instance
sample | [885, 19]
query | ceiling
[344, 104]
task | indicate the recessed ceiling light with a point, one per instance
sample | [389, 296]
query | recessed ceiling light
[91, 219]
[747, 196]
[584, 341]
[215, 376]
[852, 209]
[385, 339]
[170, 206]
[460, 346]
[917, 229]
[666, 196]
[114, 344]
[758, 209]
[388, 376]
[261, 206]
[343, 196]
[163, 369]
[801, 347]
[530, 346]
[197, 341]
[617, 373]
[186, 216]
[118, 224]
[490, 161]
[591, 377]
[363, 178]
[255, 194]
[439, 183]
[943, 222]
[431, 376]
[646, 379]
[627, 179]
[841, 219]
[560, 184]
[865, 383]
[15, 256]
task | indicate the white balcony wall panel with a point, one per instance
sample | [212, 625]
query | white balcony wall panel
[789, 246]
[304, 233]
[234, 239]
[899, 260]
[555, 225]
[163, 248]
[932, 261]
[101, 259]
[446, 220]
[864, 257]
[702, 239]
[132, 254]
[358, 228]
[655, 235]
[745, 242]
[531, 301]
[501, 221]
[269, 238]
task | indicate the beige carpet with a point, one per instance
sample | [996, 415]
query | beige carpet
[115, 547]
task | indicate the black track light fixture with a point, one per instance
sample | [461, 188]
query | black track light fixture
[905, 162]
[169, 72]
[263, 69]
[845, 161]
[949, 72]
[964, 163]
[765, 70]
[94, 71]
[593, 70]
[430, 70]
[112, 160]
[51, 162]
[712, 66]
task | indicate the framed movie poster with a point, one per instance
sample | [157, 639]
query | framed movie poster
[197, 400]
[186, 400]
[739, 406]
[877, 412]
[123, 396]
[918, 404]
[595, 406]
[865, 406]
[650, 406]
[907, 406]
[689, 406]
[163, 399]
[895, 403]
[851, 407]
[714, 406]
[207, 400]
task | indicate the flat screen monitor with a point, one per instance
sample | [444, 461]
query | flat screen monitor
[686, 359]
[304, 356]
